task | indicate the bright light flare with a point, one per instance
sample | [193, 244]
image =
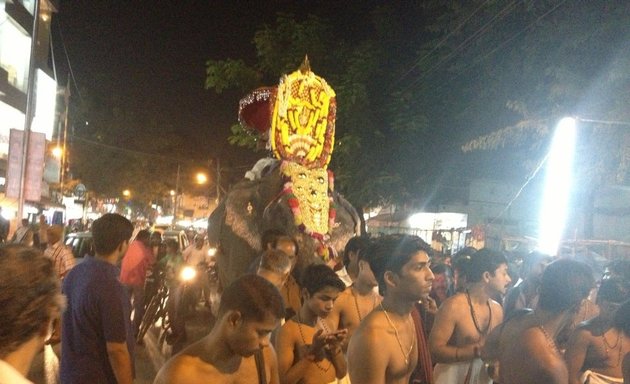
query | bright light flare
[126, 193]
[188, 273]
[57, 152]
[212, 251]
[201, 178]
[557, 187]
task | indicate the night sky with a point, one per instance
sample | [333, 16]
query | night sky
[153, 54]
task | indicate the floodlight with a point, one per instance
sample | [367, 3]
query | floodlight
[557, 186]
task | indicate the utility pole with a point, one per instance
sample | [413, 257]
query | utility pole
[66, 98]
[176, 202]
[28, 115]
[218, 182]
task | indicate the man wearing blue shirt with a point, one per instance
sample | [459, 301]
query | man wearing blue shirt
[97, 341]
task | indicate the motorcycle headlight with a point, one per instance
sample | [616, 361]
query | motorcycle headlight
[188, 273]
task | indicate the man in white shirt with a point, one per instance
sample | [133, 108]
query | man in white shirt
[195, 254]
[31, 298]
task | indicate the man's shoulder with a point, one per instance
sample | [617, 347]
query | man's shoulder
[186, 368]
[456, 303]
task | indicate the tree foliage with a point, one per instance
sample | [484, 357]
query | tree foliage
[375, 158]
[519, 67]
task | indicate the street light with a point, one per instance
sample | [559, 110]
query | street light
[126, 193]
[201, 178]
[57, 152]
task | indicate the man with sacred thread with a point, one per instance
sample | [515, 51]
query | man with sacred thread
[357, 300]
[463, 321]
[526, 345]
[309, 352]
[384, 348]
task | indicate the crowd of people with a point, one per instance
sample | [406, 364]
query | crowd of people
[390, 312]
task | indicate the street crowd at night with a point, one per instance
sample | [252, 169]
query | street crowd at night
[319, 192]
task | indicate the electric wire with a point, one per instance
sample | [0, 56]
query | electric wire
[65, 50]
[520, 190]
[456, 76]
[129, 151]
[154, 155]
[440, 43]
[501, 14]
[504, 43]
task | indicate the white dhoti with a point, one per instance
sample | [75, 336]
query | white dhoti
[456, 373]
[590, 377]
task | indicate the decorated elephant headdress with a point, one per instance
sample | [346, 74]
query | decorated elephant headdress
[299, 115]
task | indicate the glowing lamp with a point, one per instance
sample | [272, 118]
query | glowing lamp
[557, 186]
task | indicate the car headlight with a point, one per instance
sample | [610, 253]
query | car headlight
[187, 273]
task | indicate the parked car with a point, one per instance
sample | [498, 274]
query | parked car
[80, 243]
[177, 235]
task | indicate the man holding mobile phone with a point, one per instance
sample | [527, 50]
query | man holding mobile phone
[308, 350]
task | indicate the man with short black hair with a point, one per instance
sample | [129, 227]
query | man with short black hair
[237, 350]
[464, 320]
[526, 346]
[360, 298]
[596, 347]
[97, 340]
[31, 299]
[351, 255]
[384, 348]
[308, 350]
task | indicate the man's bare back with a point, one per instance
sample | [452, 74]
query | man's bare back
[194, 365]
[594, 348]
[377, 354]
[526, 352]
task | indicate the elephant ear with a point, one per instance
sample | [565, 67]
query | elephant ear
[243, 211]
[347, 223]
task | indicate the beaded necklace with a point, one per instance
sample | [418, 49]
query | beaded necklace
[299, 323]
[474, 316]
[550, 340]
[402, 349]
[607, 347]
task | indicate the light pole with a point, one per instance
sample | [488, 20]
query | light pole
[176, 194]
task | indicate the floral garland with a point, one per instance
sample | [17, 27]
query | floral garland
[323, 250]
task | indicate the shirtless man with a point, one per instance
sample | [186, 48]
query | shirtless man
[350, 259]
[525, 346]
[464, 320]
[237, 350]
[275, 267]
[597, 346]
[290, 290]
[356, 301]
[384, 347]
[309, 352]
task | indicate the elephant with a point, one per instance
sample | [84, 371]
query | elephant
[254, 206]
